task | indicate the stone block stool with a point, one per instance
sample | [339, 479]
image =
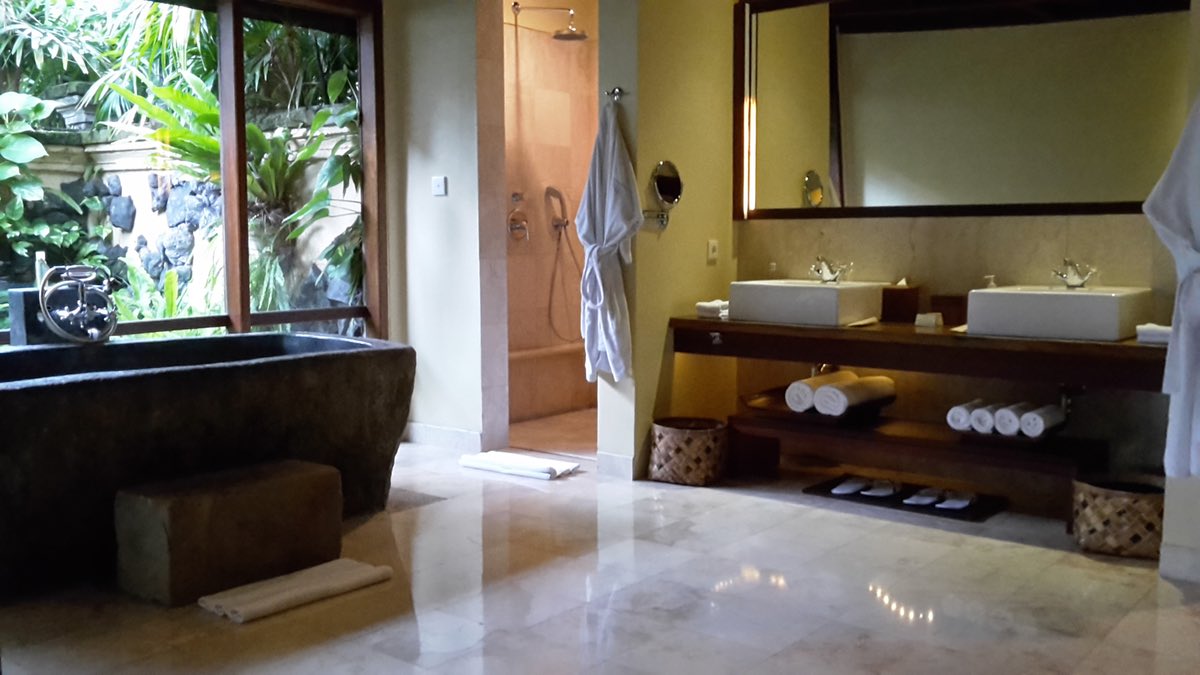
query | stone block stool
[182, 539]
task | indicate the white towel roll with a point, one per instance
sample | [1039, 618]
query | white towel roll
[1008, 418]
[1153, 334]
[959, 417]
[836, 399]
[983, 420]
[711, 309]
[1037, 422]
[799, 394]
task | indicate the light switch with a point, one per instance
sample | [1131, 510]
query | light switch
[713, 250]
[439, 186]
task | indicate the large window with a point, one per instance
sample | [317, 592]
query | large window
[218, 155]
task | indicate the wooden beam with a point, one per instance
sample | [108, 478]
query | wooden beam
[374, 208]
[306, 315]
[231, 89]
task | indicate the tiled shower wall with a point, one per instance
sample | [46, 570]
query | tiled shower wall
[950, 256]
[550, 125]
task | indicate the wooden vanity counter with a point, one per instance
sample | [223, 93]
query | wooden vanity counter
[1035, 476]
[1109, 365]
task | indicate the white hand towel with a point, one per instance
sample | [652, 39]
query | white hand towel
[1153, 334]
[959, 417]
[711, 309]
[799, 394]
[518, 465]
[836, 399]
[983, 420]
[263, 598]
[1037, 422]
[1008, 418]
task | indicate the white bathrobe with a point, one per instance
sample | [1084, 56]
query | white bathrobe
[1174, 210]
[610, 213]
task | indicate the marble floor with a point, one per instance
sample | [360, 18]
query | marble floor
[570, 433]
[596, 575]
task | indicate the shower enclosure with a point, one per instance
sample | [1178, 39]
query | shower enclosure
[551, 92]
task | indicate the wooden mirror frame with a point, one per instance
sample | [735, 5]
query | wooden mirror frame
[908, 17]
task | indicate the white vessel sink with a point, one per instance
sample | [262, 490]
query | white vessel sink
[804, 302]
[1100, 313]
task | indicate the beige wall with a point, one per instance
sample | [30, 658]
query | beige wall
[792, 102]
[438, 259]
[1059, 112]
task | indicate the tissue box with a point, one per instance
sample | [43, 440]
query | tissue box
[900, 303]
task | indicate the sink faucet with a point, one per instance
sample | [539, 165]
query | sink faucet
[1074, 274]
[828, 271]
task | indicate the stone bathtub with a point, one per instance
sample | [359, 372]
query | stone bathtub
[81, 422]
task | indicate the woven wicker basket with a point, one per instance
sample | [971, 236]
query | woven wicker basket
[1119, 518]
[688, 450]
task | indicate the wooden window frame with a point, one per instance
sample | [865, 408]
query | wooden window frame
[367, 18]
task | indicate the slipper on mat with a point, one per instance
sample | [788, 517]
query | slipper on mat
[881, 488]
[849, 486]
[925, 497]
[956, 501]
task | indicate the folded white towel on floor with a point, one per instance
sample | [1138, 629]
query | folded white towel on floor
[836, 399]
[983, 420]
[1037, 422]
[1153, 334]
[1008, 418]
[263, 598]
[518, 465]
[712, 309]
[959, 416]
[799, 394]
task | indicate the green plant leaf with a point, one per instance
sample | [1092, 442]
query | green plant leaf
[148, 109]
[29, 189]
[319, 202]
[16, 102]
[182, 101]
[8, 171]
[15, 209]
[337, 85]
[256, 140]
[22, 149]
[171, 294]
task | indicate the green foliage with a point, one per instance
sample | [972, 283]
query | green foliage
[47, 42]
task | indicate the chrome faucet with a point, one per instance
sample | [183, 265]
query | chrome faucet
[1074, 274]
[77, 304]
[828, 271]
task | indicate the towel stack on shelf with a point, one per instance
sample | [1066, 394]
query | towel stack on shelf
[713, 309]
[1007, 419]
[837, 393]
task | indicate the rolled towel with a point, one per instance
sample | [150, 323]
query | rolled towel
[1037, 422]
[1008, 418]
[711, 309]
[983, 420]
[1153, 334]
[959, 417]
[799, 394]
[836, 399]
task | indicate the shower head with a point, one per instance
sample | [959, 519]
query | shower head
[571, 33]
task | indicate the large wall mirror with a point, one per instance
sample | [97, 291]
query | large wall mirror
[976, 107]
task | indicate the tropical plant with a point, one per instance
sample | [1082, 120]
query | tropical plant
[22, 232]
[46, 42]
[188, 130]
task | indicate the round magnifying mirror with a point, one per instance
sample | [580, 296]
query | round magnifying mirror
[813, 192]
[667, 184]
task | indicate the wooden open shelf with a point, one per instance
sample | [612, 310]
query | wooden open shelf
[1035, 476]
[1110, 365]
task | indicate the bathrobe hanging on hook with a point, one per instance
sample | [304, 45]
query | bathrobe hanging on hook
[610, 213]
[1174, 210]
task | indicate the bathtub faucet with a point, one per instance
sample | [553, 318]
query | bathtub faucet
[77, 304]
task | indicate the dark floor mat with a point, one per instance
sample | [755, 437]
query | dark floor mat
[984, 507]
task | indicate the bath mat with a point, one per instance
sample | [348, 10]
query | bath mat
[984, 506]
[514, 464]
[403, 500]
[264, 598]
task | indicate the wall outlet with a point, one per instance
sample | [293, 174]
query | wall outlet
[439, 186]
[713, 250]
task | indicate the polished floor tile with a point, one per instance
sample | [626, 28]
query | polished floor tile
[586, 574]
